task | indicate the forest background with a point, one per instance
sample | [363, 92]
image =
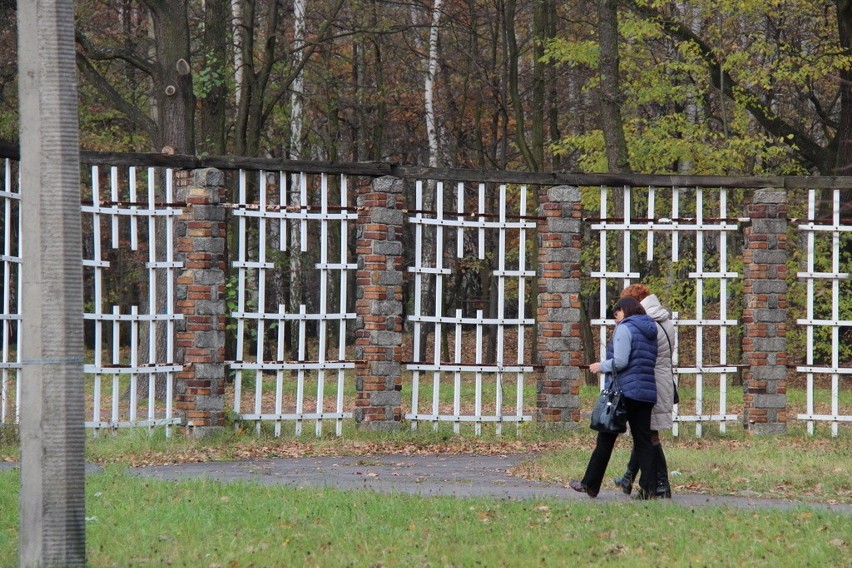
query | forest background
[733, 87]
[700, 87]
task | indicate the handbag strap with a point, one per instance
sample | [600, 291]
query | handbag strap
[669, 339]
[614, 374]
[671, 352]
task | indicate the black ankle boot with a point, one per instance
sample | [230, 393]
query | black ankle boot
[664, 490]
[625, 481]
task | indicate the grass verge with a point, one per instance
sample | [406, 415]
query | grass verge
[136, 522]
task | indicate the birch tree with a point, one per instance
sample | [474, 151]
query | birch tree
[427, 245]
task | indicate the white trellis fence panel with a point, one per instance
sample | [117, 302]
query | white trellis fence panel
[467, 388]
[128, 222]
[827, 285]
[682, 236]
[10, 366]
[291, 228]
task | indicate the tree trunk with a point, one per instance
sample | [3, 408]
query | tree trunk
[298, 93]
[610, 100]
[173, 79]
[513, 56]
[214, 88]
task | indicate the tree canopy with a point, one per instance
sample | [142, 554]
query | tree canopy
[701, 86]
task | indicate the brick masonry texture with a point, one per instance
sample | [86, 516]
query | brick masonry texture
[765, 313]
[379, 306]
[200, 242]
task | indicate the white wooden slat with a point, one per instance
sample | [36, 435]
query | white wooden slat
[170, 299]
[418, 291]
[303, 202]
[701, 231]
[457, 386]
[261, 298]
[481, 222]
[242, 235]
[300, 374]
[602, 281]
[114, 197]
[835, 307]
[460, 211]
[501, 308]
[282, 222]
[699, 313]
[833, 368]
[323, 301]
[649, 243]
[279, 373]
[98, 298]
[439, 299]
[478, 377]
[522, 294]
[116, 360]
[134, 362]
[675, 224]
[488, 321]
[344, 288]
[481, 219]
[7, 288]
[626, 233]
[134, 210]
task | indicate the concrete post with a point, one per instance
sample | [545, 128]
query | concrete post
[378, 305]
[52, 501]
[560, 349]
[200, 297]
[765, 314]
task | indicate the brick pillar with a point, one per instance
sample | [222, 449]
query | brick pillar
[200, 297]
[378, 305]
[765, 314]
[560, 349]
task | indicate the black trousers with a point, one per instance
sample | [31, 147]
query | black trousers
[639, 418]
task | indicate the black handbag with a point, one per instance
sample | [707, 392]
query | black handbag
[609, 414]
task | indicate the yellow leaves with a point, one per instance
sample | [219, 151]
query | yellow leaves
[572, 53]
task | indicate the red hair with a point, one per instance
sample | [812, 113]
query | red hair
[637, 291]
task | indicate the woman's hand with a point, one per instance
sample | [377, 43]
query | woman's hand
[595, 367]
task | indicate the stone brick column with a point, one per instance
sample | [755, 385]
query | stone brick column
[765, 314]
[200, 297]
[378, 305]
[560, 349]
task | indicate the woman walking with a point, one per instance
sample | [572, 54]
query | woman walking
[661, 416]
[630, 355]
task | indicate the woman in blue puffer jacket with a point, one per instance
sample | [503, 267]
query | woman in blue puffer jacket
[631, 355]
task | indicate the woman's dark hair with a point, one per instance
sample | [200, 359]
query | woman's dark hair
[630, 307]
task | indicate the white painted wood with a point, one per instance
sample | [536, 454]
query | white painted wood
[450, 376]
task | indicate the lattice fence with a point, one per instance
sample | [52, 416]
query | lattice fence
[290, 224]
[459, 385]
[676, 240]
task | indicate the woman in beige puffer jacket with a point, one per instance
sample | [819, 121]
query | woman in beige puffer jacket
[661, 417]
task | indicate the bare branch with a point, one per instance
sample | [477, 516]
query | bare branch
[97, 80]
[94, 53]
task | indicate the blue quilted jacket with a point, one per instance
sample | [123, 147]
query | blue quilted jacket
[636, 378]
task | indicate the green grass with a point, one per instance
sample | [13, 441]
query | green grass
[136, 522]
[793, 466]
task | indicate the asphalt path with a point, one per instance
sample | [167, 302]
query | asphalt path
[463, 476]
[441, 475]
